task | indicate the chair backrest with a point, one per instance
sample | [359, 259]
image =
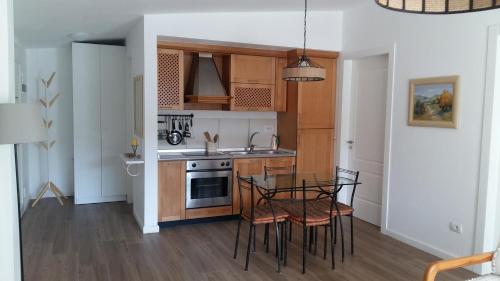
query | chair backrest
[242, 186]
[284, 170]
[347, 174]
[271, 171]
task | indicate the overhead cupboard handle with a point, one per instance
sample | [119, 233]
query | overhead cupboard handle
[350, 142]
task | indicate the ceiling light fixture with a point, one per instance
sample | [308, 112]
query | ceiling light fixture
[439, 6]
[304, 70]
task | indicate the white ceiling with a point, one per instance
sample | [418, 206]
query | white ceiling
[47, 23]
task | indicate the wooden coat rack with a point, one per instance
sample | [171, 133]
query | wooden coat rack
[47, 104]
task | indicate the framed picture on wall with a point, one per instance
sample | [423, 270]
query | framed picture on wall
[434, 102]
[139, 106]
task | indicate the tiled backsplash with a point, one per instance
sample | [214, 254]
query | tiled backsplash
[233, 129]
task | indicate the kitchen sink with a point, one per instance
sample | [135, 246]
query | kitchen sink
[258, 152]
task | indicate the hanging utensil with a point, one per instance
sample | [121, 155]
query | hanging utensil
[187, 133]
[175, 136]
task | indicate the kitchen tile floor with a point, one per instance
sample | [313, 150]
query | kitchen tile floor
[103, 242]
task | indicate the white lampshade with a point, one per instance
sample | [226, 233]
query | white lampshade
[21, 123]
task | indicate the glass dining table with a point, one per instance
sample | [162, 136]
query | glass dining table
[280, 187]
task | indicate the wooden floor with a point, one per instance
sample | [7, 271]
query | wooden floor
[102, 242]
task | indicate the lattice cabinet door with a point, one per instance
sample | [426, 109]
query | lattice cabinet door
[252, 97]
[170, 79]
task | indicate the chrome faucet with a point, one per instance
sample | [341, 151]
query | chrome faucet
[251, 146]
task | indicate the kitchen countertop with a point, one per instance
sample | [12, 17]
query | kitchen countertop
[165, 155]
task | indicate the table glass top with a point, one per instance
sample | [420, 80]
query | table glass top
[287, 181]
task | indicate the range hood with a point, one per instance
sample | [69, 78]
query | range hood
[205, 84]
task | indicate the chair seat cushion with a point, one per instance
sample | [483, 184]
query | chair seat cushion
[344, 209]
[263, 214]
[491, 277]
[314, 215]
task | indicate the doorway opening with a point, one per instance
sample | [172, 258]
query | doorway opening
[365, 130]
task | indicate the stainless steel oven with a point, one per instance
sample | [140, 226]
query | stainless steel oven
[209, 183]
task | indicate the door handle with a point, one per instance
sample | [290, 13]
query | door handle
[350, 142]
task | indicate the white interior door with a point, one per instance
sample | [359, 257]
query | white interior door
[113, 120]
[368, 111]
[87, 122]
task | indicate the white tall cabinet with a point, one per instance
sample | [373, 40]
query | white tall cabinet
[99, 118]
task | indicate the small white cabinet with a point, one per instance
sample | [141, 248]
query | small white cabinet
[99, 105]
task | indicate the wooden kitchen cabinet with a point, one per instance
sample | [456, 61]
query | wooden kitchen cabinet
[308, 125]
[252, 97]
[316, 100]
[170, 79]
[281, 86]
[315, 151]
[254, 166]
[171, 190]
[253, 69]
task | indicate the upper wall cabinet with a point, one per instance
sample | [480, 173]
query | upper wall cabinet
[170, 79]
[280, 95]
[252, 97]
[253, 69]
[316, 100]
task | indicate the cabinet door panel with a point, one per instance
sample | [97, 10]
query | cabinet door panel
[281, 93]
[316, 102]
[170, 79]
[171, 190]
[246, 167]
[113, 119]
[252, 69]
[87, 122]
[252, 97]
[315, 151]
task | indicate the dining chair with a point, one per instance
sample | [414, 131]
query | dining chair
[283, 170]
[259, 215]
[304, 212]
[342, 209]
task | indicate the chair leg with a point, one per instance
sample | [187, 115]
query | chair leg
[252, 228]
[341, 235]
[266, 237]
[282, 233]
[332, 246]
[286, 242]
[278, 248]
[265, 233]
[304, 248]
[352, 234]
[325, 242]
[315, 240]
[254, 239]
[311, 237]
[290, 233]
[335, 230]
[237, 238]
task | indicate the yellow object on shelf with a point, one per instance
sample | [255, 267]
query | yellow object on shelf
[134, 142]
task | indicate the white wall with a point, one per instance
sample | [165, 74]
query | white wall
[135, 54]
[40, 64]
[22, 149]
[277, 29]
[434, 172]
[9, 236]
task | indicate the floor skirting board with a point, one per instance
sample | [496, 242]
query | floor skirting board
[106, 199]
[419, 245]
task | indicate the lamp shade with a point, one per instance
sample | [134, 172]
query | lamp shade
[439, 6]
[21, 123]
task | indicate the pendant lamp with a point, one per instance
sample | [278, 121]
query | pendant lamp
[304, 70]
[439, 6]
